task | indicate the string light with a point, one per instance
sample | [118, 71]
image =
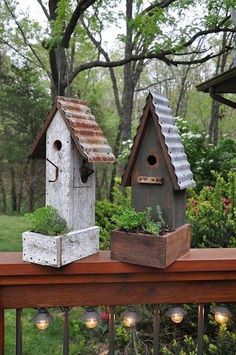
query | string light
[130, 317]
[176, 314]
[42, 319]
[91, 317]
[222, 314]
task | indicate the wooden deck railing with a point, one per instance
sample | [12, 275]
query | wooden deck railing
[200, 276]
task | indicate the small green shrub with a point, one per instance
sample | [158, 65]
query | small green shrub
[133, 221]
[205, 159]
[103, 215]
[46, 220]
[105, 210]
[212, 212]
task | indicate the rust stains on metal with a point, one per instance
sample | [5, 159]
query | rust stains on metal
[85, 131]
[156, 180]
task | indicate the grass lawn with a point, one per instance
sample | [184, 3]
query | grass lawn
[36, 342]
[49, 341]
[11, 228]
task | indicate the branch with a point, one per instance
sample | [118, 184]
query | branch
[159, 56]
[107, 58]
[154, 84]
[160, 5]
[117, 63]
[201, 60]
[79, 10]
[46, 13]
[17, 51]
[25, 38]
[204, 33]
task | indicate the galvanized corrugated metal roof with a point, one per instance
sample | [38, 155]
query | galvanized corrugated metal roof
[173, 142]
[85, 131]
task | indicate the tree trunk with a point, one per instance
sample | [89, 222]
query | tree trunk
[21, 188]
[58, 61]
[127, 106]
[116, 151]
[213, 130]
[31, 190]
[128, 91]
[182, 93]
[13, 190]
[214, 123]
[3, 193]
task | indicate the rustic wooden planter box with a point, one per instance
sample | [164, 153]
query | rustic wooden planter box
[150, 250]
[60, 250]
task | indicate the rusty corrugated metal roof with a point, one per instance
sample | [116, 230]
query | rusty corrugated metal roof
[173, 142]
[85, 131]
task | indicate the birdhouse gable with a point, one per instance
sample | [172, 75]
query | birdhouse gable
[84, 131]
[158, 112]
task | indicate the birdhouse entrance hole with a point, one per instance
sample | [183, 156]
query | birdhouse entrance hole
[57, 145]
[152, 160]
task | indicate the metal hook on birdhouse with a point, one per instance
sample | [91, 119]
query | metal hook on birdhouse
[85, 171]
[57, 170]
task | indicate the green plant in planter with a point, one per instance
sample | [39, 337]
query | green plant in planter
[131, 220]
[46, 220]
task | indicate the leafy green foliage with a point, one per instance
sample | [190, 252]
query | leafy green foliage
[133, 221]
[63, 13]
[185, 347]
[225, 342]
[105, 210]
[205, 160]
[211, 214]
[46, 220]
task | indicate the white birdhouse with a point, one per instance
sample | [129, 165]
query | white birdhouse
[72, 143]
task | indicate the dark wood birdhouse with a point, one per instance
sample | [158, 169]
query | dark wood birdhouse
[157, 170]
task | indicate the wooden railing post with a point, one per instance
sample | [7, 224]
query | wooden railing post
[156, 329]
[2, 331]
[19, 315]
[111, 315]
[200, 329]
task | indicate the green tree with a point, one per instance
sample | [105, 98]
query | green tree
[23, 104]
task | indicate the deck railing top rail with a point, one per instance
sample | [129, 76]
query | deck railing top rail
[200, 276]
[196, 260]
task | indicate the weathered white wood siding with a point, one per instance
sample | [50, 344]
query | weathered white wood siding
[74, 200]
[79, 244]
[60, 250]
[58, 193]
[83, 196]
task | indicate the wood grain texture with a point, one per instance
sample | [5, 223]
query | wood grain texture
[171, 202]
[79, 244]
[73, 199]
[205, 275]
[60, 250]
[149, 250]
[58, 193]
[118, 293]
[41, 249]
[196, 260]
